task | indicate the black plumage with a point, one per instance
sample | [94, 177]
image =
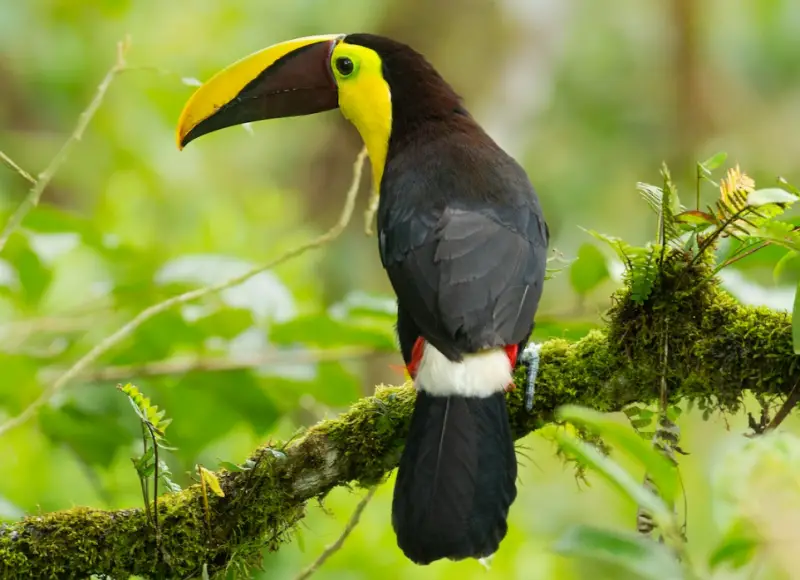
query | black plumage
[456, 479]
[464, 242]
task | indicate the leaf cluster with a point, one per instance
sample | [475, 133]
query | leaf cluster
[755, 496]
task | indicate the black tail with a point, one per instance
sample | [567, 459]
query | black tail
[457, 479]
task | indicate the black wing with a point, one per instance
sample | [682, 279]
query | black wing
[470, 275]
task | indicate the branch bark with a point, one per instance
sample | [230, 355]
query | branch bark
[718, 350]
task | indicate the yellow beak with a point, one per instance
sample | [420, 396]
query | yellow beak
[284, 80]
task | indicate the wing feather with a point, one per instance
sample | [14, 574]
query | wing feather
[472, 281]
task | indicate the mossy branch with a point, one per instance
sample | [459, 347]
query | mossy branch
[718, 350]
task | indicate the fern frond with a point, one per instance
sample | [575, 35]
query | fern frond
[665, 204]
[652, 194]
[622, 248]
[146, 411]
[644, 271]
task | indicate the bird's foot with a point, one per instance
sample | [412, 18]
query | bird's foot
[530, 358]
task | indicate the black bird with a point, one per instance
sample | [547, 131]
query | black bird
[464, 242]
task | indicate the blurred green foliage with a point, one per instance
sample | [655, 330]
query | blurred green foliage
[585, 94]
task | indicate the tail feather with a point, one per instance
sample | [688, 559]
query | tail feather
[457, 478]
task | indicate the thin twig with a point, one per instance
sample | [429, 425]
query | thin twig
[179, 366]
[104, 346]
[149, 426]
[787, 407]
[741, 254]
[10, 162]
[369, 213]
[745, 251]
[39, 185]
[333, 548]
[716, 234]
[143, 481]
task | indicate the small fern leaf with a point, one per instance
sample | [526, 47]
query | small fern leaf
[670, 207]
[622, 248]
[644, 273]
[651, 194]
[146, 411]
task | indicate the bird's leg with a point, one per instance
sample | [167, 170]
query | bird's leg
[530, 358]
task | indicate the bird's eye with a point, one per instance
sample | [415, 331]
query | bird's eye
[344, 65]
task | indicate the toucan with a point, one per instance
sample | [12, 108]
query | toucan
[463, 240]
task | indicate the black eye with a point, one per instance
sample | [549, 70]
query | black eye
[344, 65]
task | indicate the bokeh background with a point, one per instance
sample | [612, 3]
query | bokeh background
[590, 96]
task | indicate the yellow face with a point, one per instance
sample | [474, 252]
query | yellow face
[365, 99]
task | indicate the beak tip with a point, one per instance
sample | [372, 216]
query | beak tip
[180, 139]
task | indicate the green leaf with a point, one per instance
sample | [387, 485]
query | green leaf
[324, 331]
[301, 539]
[336, 385]
[144, 466]
[620, 246]
[589, 270]
[230, 466]
[148, 456]
[94, 437]
[735, 550]
[770, 195]
[696, 218]
[615, 475]
[207, 406]
[632, 411]
[212, 481]
[787, 269]
[168, 483]
[46, 219]
[780, 233]
[226, 323]
[641, 422]
[796, 321]
[661, 471]
[644, 558]
[714, 162]
[247, 399]
[674, 412]
[33, 274]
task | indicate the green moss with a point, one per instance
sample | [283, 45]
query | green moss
[371, 434]
[716, 348]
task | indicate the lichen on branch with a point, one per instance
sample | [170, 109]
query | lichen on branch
[718, 350]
